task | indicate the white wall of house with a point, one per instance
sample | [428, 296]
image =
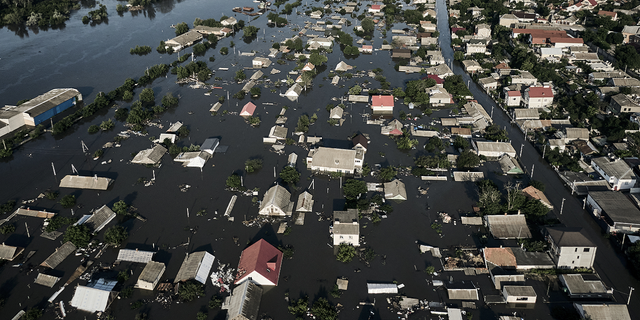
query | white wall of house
[574, 257]
[616, 184]
[513, 101]
[258, 278]
[538, 102]
[350, 239]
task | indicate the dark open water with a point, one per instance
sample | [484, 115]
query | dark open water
[96, 58]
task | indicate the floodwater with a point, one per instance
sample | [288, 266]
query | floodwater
[95, 58]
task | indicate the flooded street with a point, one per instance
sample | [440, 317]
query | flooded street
[96, 58]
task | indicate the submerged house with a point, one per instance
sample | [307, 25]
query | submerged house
[150, 156]
[195, 266]
[261, 263]
[276, 202]
[395, 190]
[85, 182]
[99, 219]
[9, 252]
[59, 255]
[95, 296]
[346, 227]
[150, 275]
[38, 109]
[335, 160]
[244, 302]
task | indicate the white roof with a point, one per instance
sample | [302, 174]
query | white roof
[93, 297]
[380, 288]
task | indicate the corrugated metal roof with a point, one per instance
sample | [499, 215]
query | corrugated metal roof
[150, 156]
[305, 202]
[244, 302]
[279, 197]
[93, 297]
[135, 255]
[508, 226]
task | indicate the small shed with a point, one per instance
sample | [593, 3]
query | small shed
[305, 202]
[510, 165]
[209, 145]
[46, 280]
[136, 255]
[174, 127]
[519, 294]
[464, 290]
[150, 275]
[9, 252]
[382, 288]
[336, 113]
[195, 266]
[248, 110]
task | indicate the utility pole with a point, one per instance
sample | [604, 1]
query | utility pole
[562, 206]
[544, 151]
[27, 227]
[521, 147]
[54, 170]
[630, 291]
[533, 167]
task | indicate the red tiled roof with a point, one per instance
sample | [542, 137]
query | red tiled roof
[502, 66]
[396, 132]
[593, 2]
[248, 108]
[514, 93]
[436, 78]
[566, 40]
[502, 257]
[541, 33]
[540, 92]
[382, 101]
[607, 13]
[454, 30]
[375, 7]
[262, 258]
[367, 47]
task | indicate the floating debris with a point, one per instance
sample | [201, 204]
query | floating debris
[184, 187]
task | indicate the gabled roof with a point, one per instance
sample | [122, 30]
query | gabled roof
[46, 101]
[502, 66]
[100, 218]
[501, 257]
[533, 193]
[395, 190]
[277, 196]
[508, 226]
[462, 291]
[248, 109]
[566, 40]
[569, 237]
[346, 222]
[46, 280]
[59, 255]
[9, 252]
[305, 202]
[244, 302]
[361, 140]
[150, 156]
[324, 157]
[195, 266]
[436, 78]
[263, 258]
